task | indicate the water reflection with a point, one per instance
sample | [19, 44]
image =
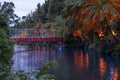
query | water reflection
[60, 52]
[74, 64]
[28, 60]
[81, 60]
[86, 60]
[115, 74]
[102, 67]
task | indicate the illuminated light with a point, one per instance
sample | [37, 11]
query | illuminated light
[74, 34]
[76, 60]
[60, 47]
[86, 60]
[113, 33]
[102, 67]
[100, 33]
[110, 22]
[81, 65]
[81, 61]
[115, 74]
[77, 33]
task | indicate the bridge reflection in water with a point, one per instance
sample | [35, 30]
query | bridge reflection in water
[28, 60]
[74, 64]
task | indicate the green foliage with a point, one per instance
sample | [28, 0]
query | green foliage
[59, 26]
[69, 4]
[43, 14]
[6, 18]
[44, 71]
[114, 49]
[20, 75]
[109, 36]
[7, 15]
[46, 76]
[5, 54]
[5, 49]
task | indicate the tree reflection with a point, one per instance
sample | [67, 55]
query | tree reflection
[102, 67]
[115, 74]
[86, 60]
[108, 72]
[33, 59]
[81, 60]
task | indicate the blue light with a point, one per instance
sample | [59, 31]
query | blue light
[60, 49]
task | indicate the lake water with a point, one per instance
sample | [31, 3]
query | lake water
[74, 63]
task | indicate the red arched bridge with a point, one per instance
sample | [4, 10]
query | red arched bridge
[35, 35]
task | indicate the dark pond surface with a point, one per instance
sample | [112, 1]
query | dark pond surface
[74, 63]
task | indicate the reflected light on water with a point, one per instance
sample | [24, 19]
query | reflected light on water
[60, 54]
[60, 49]
[32, 60]
[102, 67]
[73, 64]
[115, 74]
[76, 59]
[81, 61]
[86, 60]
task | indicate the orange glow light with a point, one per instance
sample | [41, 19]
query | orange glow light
[78, 60]
[113, 33]
[115, 74]
[81, 61]
[102, 67]
[100, 33]
[78, 33]
[81, 65]
[86, 60]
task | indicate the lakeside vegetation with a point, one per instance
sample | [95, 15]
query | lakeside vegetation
[92, 23]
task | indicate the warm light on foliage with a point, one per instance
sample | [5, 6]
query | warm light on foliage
[77, 33]
[100, 33]
[88, 25]
[93, 12]
[113, 33]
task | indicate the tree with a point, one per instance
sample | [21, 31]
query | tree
[5, 43]
[92, 13]
[7, 12]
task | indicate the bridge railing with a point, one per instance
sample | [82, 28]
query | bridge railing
[33, 33]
